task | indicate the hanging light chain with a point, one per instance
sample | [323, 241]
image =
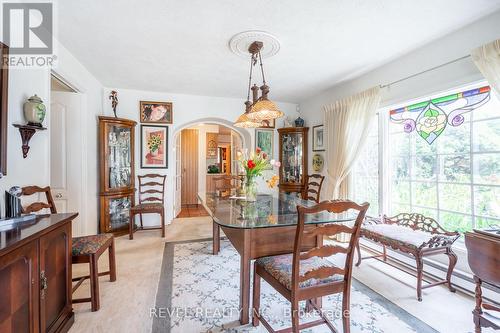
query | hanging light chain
[262, 69]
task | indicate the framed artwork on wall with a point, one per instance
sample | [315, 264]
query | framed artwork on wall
[268, 123]
[155, 112]
[264, 139]
[154, 147]
[4, 92]
[318, 138]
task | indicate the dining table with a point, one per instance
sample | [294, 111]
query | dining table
[261, 228]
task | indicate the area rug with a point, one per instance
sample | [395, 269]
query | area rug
[199, 292]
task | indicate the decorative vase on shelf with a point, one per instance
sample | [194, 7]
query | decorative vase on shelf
[299, 122]
[34, 111]
[250, 188]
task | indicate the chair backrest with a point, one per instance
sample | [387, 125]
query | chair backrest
[313, 188]
[336, 206]
[225, 183]
[37, 206]
[151, 188]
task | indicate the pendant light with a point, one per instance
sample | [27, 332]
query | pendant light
[243, 120]
[263, 109]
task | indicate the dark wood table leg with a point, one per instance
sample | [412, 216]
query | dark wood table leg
[245, 264]
[216, 238]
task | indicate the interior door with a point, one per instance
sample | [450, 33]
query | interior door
[189, 152]
[178, 176]
[66, 153]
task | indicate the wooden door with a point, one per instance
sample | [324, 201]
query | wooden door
[189, 148]
[19, 285]
[55, 273]
[178, 175]
[66, 154]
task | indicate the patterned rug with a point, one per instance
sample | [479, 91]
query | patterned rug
[199, 292]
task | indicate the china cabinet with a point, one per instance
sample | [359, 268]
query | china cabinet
[293, 158]
[116, 152]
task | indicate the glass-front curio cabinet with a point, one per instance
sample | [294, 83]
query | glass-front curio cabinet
[293, 158]
[116, 153]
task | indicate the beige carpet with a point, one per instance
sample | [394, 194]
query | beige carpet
[125, 303]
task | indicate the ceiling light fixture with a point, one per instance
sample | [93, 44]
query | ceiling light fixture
[262, 108]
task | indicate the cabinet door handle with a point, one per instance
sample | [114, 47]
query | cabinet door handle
[59, 195]
[43, 284]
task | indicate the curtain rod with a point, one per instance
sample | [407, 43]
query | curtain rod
[423, 72]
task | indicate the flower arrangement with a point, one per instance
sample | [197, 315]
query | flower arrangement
[154, 143]
[254, 164]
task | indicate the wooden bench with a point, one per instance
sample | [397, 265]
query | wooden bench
[414, 234]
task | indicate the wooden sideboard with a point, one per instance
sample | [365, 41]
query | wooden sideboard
[483, 248]
[35, 275]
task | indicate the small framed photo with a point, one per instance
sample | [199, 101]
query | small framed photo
[155, 112]
[154, 147]
[318, 137]
[264, 139]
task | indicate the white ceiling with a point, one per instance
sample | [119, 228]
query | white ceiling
[182, 45]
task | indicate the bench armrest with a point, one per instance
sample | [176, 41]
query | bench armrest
[441, 240]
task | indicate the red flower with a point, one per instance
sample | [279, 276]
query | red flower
[264, 155]
[250, 164]
[258, 150]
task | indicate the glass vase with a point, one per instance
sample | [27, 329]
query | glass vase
[250, 188]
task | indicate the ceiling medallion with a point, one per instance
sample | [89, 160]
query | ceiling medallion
[240, 43]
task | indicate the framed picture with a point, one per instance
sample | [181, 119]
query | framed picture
[268, 123]
[318, 138]
[264, 139]
[4, 92]
[154, 152]
[155, 112]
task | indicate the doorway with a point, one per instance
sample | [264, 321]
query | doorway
[207, 151]
[67, 177]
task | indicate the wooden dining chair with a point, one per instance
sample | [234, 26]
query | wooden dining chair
[312, 190]
[225, 184]
[308, 275]
[84, 249]
[151, 201]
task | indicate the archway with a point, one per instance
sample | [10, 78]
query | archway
[240, 138]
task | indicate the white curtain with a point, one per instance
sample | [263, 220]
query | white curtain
[347, 125]
[487, 59]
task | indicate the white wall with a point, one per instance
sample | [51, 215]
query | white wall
[187, 111]
[441, 51]
[34, 170]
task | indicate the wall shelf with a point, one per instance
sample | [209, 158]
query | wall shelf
[27, 132]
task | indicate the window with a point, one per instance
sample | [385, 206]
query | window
[365, 174]
[444, 159]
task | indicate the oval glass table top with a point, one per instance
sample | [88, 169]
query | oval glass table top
[269, 210]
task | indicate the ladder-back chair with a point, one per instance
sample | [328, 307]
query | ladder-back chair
[312, 191]
[84, 250]
[151, 201]
[308, 275]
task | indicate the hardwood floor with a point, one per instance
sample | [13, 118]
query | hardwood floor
[192, 211]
